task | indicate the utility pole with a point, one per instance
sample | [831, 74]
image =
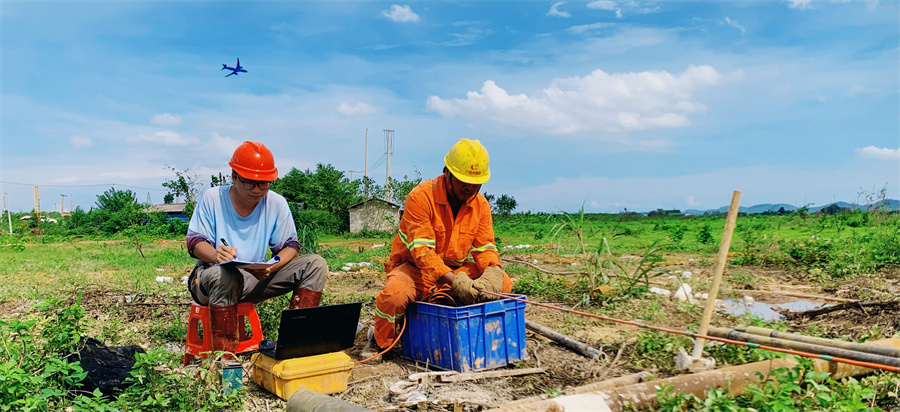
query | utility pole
[37, 204]
[387, 180]
[37, 209]
[8, 217]
[366, 181]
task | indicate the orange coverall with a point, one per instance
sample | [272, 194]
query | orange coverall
[430, 244]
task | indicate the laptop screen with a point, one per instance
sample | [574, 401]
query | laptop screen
[314, 331]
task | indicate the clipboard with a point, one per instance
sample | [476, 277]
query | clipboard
[243, 264]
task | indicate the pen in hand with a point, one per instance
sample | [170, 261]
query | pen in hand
[224, 243]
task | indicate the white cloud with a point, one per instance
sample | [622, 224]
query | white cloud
[400, 14]
[222, 143]
[618, 13]
[582, 28]
[879, 152]
[554, 10]
[470, 36]
[165, 138]
[79, 142]
[359, 109]
[858, 90]
[602, 5]
[800, 4]
[597, 103]
[166, 119]
[735, 24]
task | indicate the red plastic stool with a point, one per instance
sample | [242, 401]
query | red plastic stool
[197, 346]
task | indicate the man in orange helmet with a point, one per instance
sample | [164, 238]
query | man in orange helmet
[444, 221]
[240, 222]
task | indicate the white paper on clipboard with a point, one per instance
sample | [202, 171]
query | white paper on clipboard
[243, 264]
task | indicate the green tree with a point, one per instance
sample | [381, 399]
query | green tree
[185, 184]
[169, 199]
[325, 194]
[220, 180]
[505, 205]
[400, 188]
[117, 210]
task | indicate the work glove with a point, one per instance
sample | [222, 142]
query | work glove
[490, 281]
[462, 286]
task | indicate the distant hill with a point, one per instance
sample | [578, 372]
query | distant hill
[890, 204]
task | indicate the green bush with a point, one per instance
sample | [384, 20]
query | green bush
[34, 376]
[795, 389]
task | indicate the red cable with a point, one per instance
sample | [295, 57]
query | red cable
[712, 338]
[402, 329]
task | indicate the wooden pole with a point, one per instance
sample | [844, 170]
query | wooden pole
[720, 268]
[37, 208]
[8, 217]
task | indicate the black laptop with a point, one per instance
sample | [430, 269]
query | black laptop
[314, 331]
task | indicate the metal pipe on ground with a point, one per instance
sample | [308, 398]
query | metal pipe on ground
[736, 378]
[804, 347]
[859, 347]
[564, 340]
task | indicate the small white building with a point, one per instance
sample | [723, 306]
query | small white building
[374, 214]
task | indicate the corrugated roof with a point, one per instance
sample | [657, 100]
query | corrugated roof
[375, 199]
[167, 208]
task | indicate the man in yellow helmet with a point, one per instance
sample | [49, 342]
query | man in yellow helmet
[444, 221]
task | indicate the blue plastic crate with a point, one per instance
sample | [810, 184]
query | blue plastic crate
[466, 338]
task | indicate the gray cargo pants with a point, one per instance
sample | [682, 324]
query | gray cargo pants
[228, 285]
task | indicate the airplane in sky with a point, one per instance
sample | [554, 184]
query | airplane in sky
[234, 70]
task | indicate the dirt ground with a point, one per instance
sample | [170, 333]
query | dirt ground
[370, 384]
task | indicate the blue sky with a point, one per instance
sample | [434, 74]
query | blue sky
[613, 104]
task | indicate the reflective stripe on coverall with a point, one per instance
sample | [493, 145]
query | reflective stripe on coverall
[430, 244]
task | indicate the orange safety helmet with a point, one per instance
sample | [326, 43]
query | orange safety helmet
[254, 161]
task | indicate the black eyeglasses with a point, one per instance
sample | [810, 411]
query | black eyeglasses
[250, 184]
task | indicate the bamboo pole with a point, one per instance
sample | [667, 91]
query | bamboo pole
[804, 346]
[858, 347]
[717, 274]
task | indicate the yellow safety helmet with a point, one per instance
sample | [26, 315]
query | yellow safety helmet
[468, 161]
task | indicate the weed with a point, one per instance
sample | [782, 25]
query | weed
[793, 389]
[537, 285]
[705, 236]
[166, 331]
[572, 223]
[659, 349]
[35, 376]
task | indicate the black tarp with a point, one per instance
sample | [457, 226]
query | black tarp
[107, 368]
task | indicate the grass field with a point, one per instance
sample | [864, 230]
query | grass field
[113, 284]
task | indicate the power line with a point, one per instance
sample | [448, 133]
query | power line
[95, 185]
